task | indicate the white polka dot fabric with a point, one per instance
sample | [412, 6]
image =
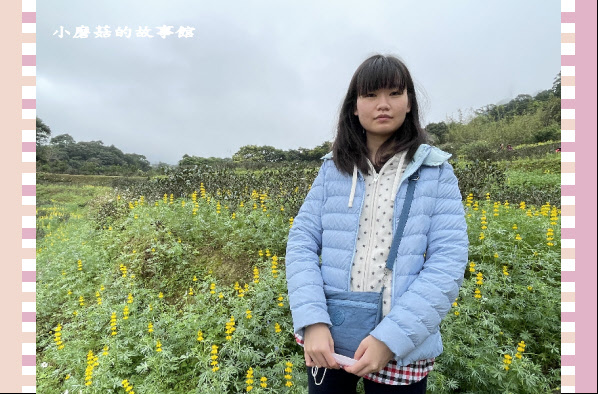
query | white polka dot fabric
[375, 230]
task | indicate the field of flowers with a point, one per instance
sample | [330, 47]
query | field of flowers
[182, 295]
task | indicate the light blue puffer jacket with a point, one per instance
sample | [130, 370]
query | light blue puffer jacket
[423, 288]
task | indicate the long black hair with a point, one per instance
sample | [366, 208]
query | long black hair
[350, 147]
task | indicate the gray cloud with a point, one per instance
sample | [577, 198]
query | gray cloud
[268, 72]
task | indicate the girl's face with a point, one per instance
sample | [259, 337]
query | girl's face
[382, 112]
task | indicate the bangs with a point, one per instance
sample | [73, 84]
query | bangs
[380, 73]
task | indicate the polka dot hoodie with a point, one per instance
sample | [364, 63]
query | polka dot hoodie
[375, 229]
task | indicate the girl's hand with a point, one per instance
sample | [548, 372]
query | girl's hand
[372, 355]
[318, 347]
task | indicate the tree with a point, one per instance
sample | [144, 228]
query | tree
[556, 85]
[42, 132]
[62, 140]
[252, 153]
[439, 130]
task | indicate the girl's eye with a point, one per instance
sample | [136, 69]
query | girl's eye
[369, 95]
[395, 93]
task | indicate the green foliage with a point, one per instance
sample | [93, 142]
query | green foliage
[64, 155]
[550, 133]
[479, 177]
[268, 154]
[42, 132]
[286, 184]
[523, 120]
[535, 181]
[193, 251]
[94, 180]
[515, 252]
[478, 150]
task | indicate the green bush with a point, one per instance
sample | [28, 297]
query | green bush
[550, 133]
[478, 150]
[87, 272]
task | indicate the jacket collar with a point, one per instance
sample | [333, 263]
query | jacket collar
[425, 155]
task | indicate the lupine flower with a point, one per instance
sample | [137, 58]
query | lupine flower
[507, 360]
[58, 337]
[256, 275]
[128, 387]
[214, 357]
[230, 328]
[158, 346]
[249, 380]
[92, 361]
[288, 371]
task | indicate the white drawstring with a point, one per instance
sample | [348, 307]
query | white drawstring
[314, 373]
[353, 186]
[398, 174]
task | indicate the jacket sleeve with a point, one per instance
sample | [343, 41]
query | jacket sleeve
[304, 246]
[417, 313]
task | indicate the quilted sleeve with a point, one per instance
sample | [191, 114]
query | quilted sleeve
[304, 279]
[418, 312]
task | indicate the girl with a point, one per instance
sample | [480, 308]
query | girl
[341, 238]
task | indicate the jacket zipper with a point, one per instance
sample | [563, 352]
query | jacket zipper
[371, 229]
[356, 234]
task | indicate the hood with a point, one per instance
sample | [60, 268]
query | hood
[426, 155]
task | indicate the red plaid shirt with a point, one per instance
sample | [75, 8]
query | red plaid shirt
[394, 374]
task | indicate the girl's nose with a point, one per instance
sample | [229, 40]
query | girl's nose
[383, 102]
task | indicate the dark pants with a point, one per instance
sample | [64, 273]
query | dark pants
[338, 381]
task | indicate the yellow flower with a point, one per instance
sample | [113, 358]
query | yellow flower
[456, 313]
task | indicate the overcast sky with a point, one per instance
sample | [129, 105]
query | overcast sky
[267, 72]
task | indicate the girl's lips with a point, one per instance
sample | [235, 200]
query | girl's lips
[382, 117]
